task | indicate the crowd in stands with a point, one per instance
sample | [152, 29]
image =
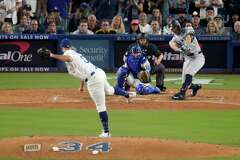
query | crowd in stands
[207, 17]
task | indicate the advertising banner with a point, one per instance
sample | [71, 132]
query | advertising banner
[96, 51]
[20, 55]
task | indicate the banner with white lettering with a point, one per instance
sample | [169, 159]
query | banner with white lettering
[23, 54]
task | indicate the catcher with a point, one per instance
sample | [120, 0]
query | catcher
[135, 72]
[185, 42]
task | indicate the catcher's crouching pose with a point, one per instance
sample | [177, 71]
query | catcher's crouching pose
[135, 72]
[185, 42]
[96, 80]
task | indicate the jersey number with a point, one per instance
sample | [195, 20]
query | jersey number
[84, 59]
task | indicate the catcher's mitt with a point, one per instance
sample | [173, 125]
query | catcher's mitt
[144, 76]
[44, 52]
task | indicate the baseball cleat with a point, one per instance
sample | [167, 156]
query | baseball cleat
[130, 97]
[104, 135]
[195, 89]
[179, 96]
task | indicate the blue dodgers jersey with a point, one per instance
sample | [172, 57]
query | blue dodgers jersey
[134, 64]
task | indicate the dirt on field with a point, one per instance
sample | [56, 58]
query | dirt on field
[122, 147]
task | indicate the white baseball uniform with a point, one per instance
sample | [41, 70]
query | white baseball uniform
[95, 77]
[195, 61]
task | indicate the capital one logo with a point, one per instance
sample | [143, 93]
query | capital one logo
[16, 55]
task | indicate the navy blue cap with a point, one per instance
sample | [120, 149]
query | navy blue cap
[65, 43]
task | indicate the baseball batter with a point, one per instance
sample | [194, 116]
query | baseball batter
[185, 42]
[96, 80]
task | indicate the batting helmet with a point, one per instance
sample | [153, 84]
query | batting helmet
[176, 26]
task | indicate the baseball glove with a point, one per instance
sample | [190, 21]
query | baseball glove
[144, 76]
[43, 52]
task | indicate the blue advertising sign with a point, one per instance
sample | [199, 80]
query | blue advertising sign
[96, 51]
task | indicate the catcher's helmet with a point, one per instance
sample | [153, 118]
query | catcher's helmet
[142, 36]
[136, 49]
[65, 43]
[176, 26]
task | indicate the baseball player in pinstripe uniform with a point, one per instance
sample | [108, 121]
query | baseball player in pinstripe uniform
[185, 42]
[96, 80]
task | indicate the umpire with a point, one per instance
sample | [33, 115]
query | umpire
[154, 56]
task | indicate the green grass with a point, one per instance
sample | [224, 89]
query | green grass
[63, 80]
[221, 127]
[215, 126]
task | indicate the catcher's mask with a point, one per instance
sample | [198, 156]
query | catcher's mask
[176, 27]
[136, 51]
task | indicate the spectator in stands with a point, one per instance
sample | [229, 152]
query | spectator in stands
[233, 18]
[222, 30]
[175, 6]
[209, 16]
[64, 8]
[148, 7]
[34, 28]
[143, 25]
[118, 25]
[196, 23]
[25, 10]
[41, 8]
[23, 25]
[134, 27]
[105, 28]
[157, 16]
[212, 28]
[32, 4]
[236, 33]
[105, 9]
[167, 29]
[156, 29]
[202, 6]
[7, 28]
[134, 8]
[92, 23]
[216, 4]
[83, 28]
[52, 28]
[58, 19]
[75, 20]
[11, 8]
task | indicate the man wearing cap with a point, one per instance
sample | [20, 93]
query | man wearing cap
[97, 84]
[222, 29]
[196, 23]
[209, 16]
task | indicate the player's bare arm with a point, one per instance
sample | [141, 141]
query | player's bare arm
[158, 59]
[63, 58]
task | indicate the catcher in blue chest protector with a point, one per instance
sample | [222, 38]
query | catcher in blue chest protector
[135, 72]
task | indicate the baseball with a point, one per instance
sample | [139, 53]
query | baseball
[55, 149]
[95, 152]
[55, 98]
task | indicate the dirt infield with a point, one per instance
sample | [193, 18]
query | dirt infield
[123, 148]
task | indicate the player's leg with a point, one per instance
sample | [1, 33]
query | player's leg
[186, 79]
[122, 74]
[160, 75]
[197, 65]
[95, 86]
[144, 89]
